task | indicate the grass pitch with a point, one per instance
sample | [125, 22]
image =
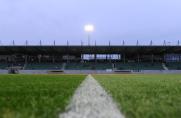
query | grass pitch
[145, 96]
[36, 96]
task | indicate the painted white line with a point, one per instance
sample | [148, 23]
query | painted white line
[91, 101]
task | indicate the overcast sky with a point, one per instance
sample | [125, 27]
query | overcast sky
[114, 20]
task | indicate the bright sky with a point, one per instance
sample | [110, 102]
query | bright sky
[114, 20]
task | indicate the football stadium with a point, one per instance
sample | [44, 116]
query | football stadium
[90, 81]
[90, 59]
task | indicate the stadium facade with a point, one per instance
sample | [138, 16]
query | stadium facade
[89, 57]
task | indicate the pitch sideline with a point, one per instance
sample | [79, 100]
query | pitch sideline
[90, 100]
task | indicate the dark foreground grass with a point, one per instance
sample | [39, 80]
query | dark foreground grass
[145, 96]
[36, 96]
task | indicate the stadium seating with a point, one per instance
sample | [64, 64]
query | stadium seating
[43, 66]
[7, 65]
[139, 66]
[88, 66]
[173, 65]
[95, 66]
[3, 65]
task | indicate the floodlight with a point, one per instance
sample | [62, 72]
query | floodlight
[89, 28]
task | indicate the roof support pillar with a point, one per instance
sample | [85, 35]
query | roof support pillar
[95, 57]
[53, 59]
[152, 58]
[124, 58]
[26, 59]
[39, 58]
[67, 58]
[138, 58]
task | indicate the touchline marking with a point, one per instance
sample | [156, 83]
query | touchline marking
[91, 101]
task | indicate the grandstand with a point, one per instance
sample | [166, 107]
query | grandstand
[91, 57]
[88, 66]
[3, 65]
[174, 65]
[139, 66]
[43, 66]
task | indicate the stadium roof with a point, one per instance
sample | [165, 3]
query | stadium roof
[57, 50]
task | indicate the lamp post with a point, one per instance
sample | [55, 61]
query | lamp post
[89, 28]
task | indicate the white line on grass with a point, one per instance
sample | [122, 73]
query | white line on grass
[91, 101]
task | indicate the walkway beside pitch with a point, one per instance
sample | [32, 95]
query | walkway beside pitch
[91, 101]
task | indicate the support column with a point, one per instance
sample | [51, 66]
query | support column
[39, 58]
[124, 58]
[163, 58]
[110, 58]
[152, 58]
[53, 59]
[138, 61]
[26, 61]
[7, 59]
[138, 58]
[95, 57]
[14, 59]
[81, 57]
[67, 58]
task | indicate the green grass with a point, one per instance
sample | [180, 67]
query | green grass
[145, 96]
[36, 96]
